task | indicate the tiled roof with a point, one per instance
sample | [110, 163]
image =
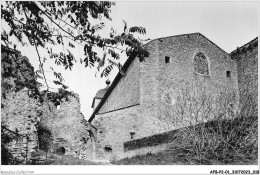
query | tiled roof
[251, 44]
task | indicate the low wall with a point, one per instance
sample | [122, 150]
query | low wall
[145, 150]
[160, 142]
[150, 141]
[151, 144]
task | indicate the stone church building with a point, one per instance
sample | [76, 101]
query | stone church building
[147, 100]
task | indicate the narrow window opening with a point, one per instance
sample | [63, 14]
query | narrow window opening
[167, 59]
[106, 103]
[132, 134]
[108, 149]
[228, 73]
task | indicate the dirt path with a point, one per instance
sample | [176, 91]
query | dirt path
[69, 160]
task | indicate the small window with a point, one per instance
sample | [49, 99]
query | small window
[106, 103]
[132, 134]
[108, 149]
[228, 73]
[167, 59]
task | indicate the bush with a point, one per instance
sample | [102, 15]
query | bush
[231, 133]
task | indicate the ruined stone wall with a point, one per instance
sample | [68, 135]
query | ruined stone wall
[19, 113]
[68, 127]
[126, 92]
[25, 115]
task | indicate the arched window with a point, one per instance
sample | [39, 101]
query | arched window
[201, 65]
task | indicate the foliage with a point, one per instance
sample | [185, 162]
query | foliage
[17, 68]
[208, 129]
[69, 24]
[229, 134]
[18, 73]
[6, 157]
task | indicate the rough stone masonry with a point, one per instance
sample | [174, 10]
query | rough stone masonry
[22, 114]
[141, 103]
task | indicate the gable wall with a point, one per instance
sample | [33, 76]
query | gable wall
[159, 78]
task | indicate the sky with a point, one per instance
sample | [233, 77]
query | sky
[227, 24]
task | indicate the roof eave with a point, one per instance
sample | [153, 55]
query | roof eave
[111, 87]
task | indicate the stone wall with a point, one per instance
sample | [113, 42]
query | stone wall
[68, 127]
[114, 129]
[17, 147]
[161, 87]
[247, 65]
[20, 114]
[24, 114]
[126, 92]
[161, 83]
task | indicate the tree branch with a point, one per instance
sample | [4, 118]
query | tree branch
[41, 65]
[45, 13]
[61, 19]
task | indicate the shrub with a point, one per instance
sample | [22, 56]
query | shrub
[230, 134]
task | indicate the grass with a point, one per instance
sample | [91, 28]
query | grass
[55, 159]
[69, 160]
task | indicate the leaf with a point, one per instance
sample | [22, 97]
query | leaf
[113, 54]
[58, 75]
[125, 25]
[98, 27]
[140, 30]
[102, 61]
[57, 82]
[106, 71]
[65, 87]
[71, 45]
[54, 55]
